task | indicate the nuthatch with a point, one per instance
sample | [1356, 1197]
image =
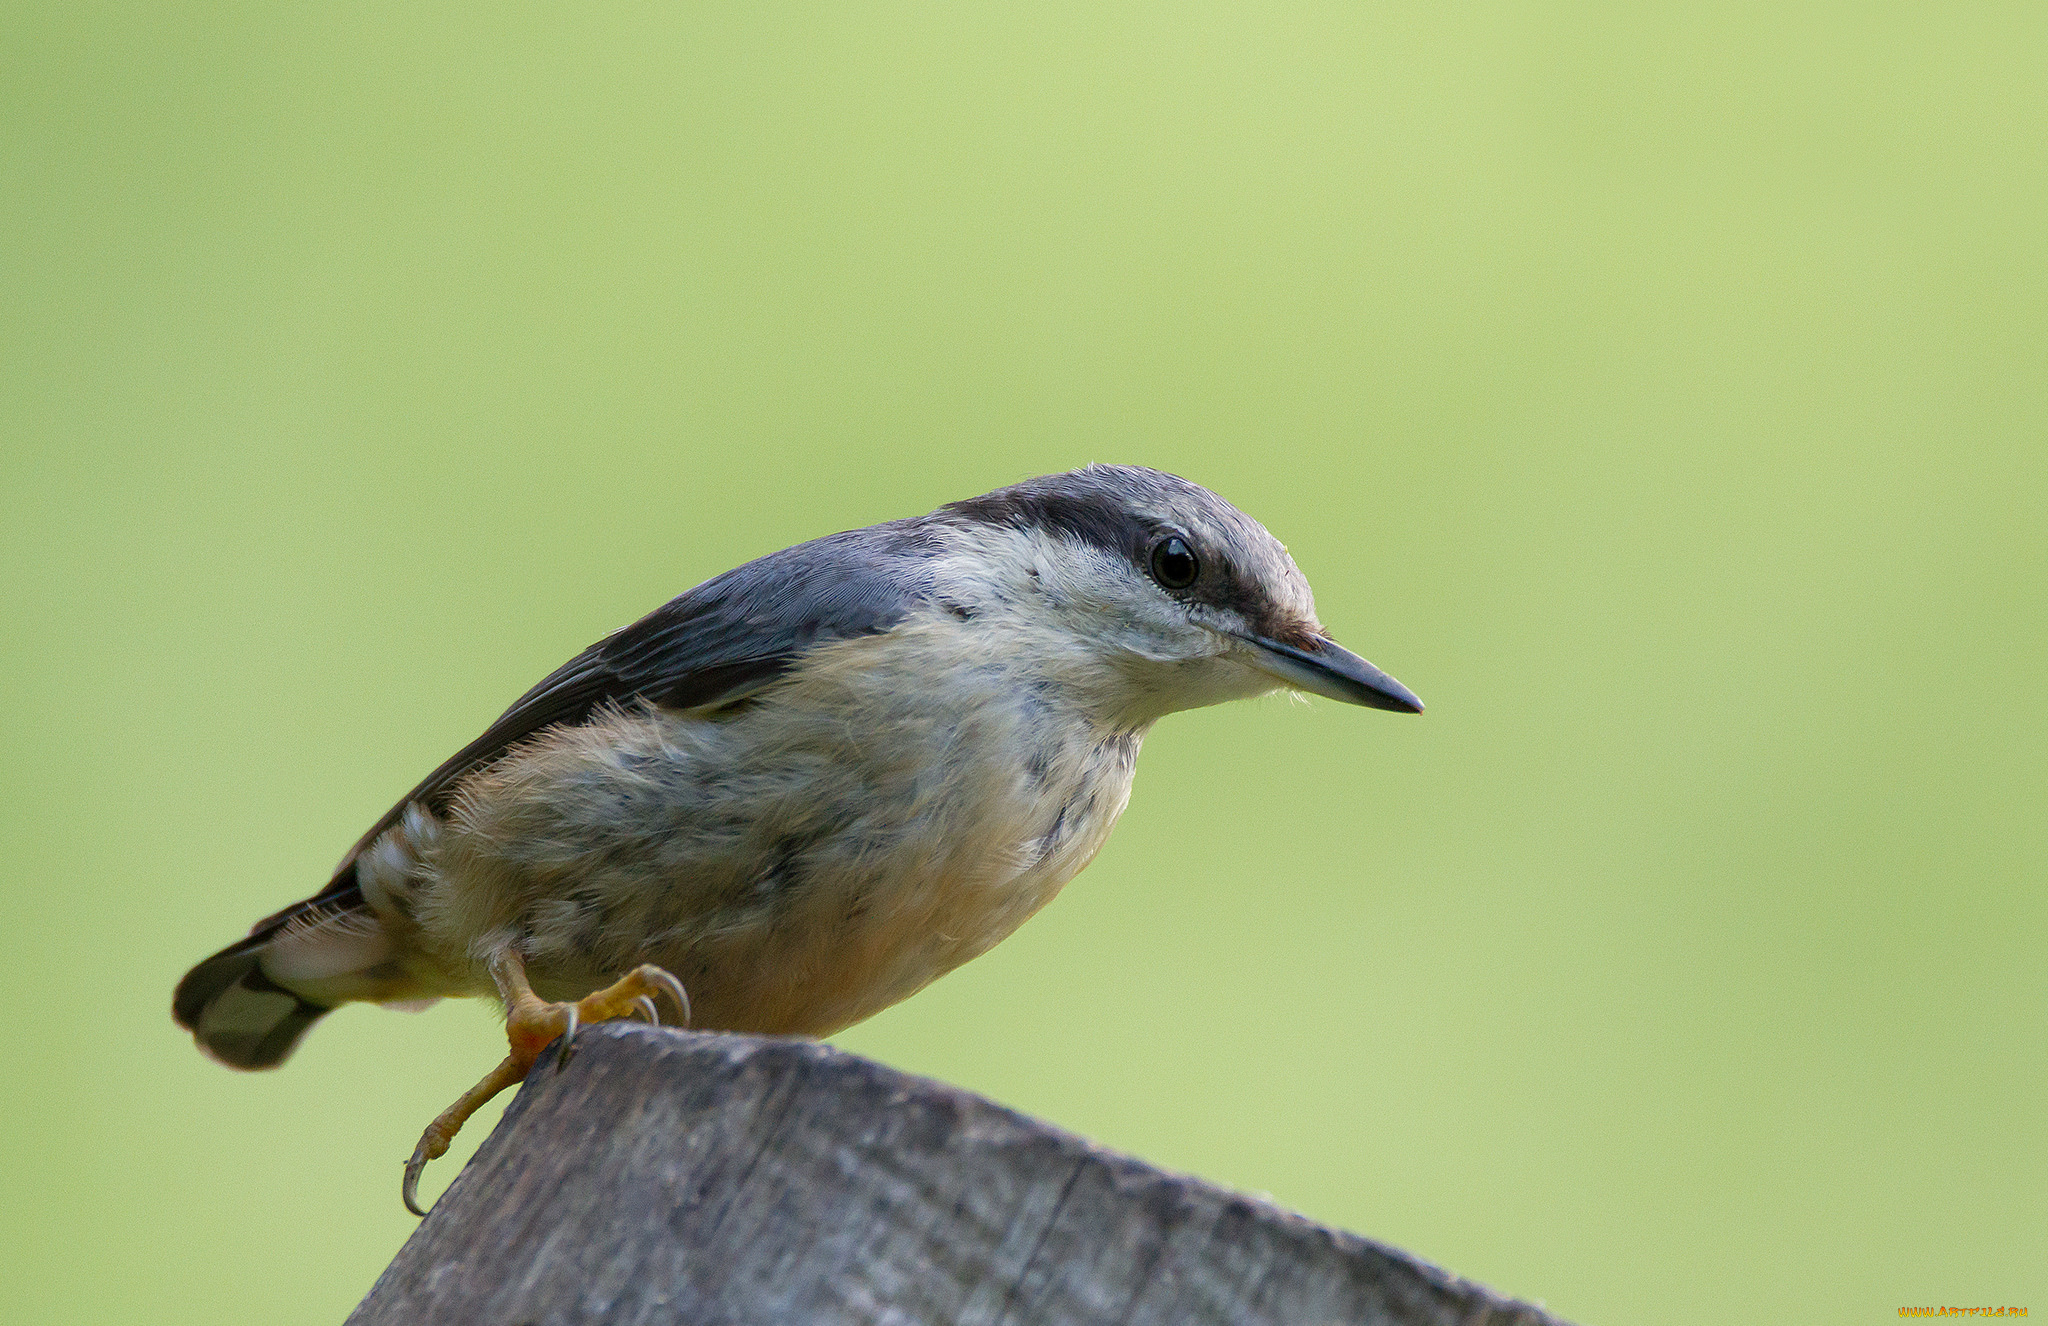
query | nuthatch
[802, 790]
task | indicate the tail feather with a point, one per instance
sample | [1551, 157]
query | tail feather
[248, 1005]
[237, 1014]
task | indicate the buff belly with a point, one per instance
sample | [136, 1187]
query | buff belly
[795, 880]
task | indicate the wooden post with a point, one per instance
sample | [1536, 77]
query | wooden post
[676, 1177]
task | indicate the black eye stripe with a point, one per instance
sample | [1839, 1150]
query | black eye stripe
[1174, 564]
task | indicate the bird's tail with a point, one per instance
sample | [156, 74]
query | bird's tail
[238, 1014]
[248, 1005]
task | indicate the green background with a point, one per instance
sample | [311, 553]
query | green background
[1657, 390]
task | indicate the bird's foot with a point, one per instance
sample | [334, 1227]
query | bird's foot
[434, 1142]
[531, 1025]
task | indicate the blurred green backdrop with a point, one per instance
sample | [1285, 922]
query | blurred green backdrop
[1658, 391]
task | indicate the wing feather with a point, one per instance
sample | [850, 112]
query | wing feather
[728, 638]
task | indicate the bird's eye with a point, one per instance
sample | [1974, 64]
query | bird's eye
[1174, 564]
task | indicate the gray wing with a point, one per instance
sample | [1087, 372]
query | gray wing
[717, 643]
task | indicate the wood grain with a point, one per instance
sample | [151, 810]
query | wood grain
[667, 1176]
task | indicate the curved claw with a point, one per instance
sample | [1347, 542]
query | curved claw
[674, 989]
[646, 1009]
[434, 1142]
[567, 1046]
[411, 1190]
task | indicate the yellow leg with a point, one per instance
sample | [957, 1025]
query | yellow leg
[531, 1024]
[434, 1142]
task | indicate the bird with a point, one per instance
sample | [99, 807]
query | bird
[801, 791]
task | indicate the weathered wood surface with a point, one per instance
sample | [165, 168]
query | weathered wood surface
[673, 1177]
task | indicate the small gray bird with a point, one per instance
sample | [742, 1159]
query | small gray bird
[801, 791]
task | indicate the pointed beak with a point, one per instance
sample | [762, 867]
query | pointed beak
[1327, 668]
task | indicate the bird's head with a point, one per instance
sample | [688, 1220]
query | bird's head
[1157, 594]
